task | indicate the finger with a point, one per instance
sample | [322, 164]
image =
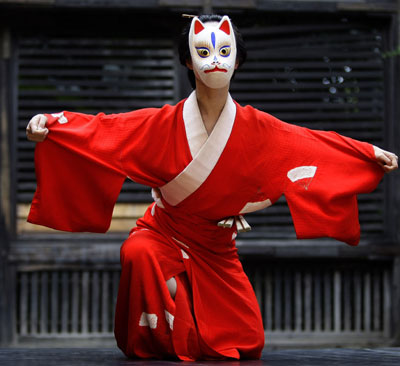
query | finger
[392, 158]
[35, 131]
[39, 124]
[393, 164]
[30, 132]
[395, 161]
[388, 168]
[33, 137]
[41, 131]
[42, 122]
[385, 158]
[33, 123]
[32, 126]
[37, 137]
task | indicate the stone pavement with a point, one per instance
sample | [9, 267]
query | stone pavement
[113, 357]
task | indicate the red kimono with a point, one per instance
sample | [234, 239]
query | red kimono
[199, 182]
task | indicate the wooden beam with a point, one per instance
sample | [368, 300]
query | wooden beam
[4, 308]
[392, 130]
[28, 2]
[317, 248]
[208, 5]
[108, 3]
[396, 128]
[4, 186]
[373, 6]
[85, 3]
[123, 219]
[396, 183]
[327, 5]
[396, 300]
[5, 55]
[97, 249]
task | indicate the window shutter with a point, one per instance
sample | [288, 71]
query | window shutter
[90, 75]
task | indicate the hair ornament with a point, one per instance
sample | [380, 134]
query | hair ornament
[188, 16]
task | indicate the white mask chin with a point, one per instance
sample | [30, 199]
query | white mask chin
[213, 51]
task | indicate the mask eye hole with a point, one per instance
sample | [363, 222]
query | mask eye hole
[225, 51]
[203, 52]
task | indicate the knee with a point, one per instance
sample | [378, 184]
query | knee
[134, 250]
[172, 286]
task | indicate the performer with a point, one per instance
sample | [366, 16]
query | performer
[183, 292]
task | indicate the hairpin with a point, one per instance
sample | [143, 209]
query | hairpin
[188, 16]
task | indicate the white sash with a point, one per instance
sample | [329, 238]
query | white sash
[206, 150]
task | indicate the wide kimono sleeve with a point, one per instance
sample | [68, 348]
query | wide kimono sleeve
[323, 174]
[79, 171]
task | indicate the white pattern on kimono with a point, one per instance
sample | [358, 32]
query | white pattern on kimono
[148, 320]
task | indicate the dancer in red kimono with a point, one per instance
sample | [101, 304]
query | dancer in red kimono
[183, 292]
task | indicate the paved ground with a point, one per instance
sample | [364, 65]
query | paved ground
[113, 357]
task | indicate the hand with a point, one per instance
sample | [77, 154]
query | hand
[386, 159]
[36, 130]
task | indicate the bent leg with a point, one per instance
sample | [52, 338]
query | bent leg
[149, 323]
[144, 311]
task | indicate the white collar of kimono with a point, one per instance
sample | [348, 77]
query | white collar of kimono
[206, 150]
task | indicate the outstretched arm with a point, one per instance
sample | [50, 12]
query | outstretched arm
[344, 168]
[386, 159]
[84, 160]
[78, 177]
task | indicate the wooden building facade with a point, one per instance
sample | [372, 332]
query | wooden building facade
[331, 65]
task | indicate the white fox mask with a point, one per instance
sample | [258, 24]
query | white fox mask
[213, 51]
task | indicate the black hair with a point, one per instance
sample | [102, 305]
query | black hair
[184, 50]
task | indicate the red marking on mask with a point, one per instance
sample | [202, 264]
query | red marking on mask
[198, 27]
[215, 69]
[225, 27]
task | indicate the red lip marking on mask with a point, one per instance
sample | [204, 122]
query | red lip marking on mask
[215, 69]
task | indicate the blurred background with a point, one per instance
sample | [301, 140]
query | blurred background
[331, 65]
